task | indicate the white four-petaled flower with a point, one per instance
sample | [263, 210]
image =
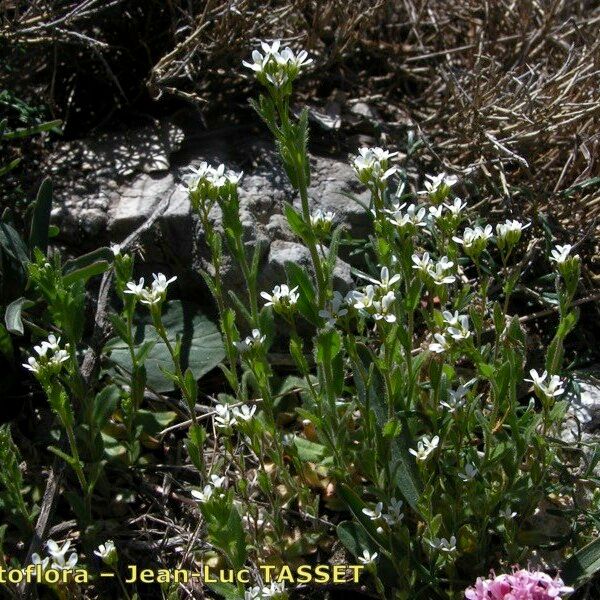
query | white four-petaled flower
[551, 388]
[425, 446]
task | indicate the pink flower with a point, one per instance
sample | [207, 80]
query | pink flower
[519, 585]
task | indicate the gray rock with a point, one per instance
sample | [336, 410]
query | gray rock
[583, 415]
[282, 252]
[128, 175]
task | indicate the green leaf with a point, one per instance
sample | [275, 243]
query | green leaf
[356, 505]
[38, 235]
[12, 316]
[306, 302]
[12, 244]
[583, 565]
[295, 221]
[355, 538]
[86, 272]
[226, 590]
[309, 451]
[154, 422]
[201, 344]
[105, 403]
[27, 131]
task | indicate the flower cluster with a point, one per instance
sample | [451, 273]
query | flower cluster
[438, 272]
[206, 184]
[282, 299]
[409, 220]
[57, 558]
[437, 187]
[443, 544]
[457, 329]
[546, 387]
[322, 222]
[376, 300]
[519, 585]
[251, 343]
[509, 233]
[50, 358]
[216, 485]
[392, 516]
[272, 591]
[153, 295]
[277, 68]
[226, 416]
[474, 240]
[372, 165]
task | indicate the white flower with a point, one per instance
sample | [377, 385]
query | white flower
[251, 342]
[107, 552]
[458, 325]
[160, 283]
[386, 282]
[367, 558]
[382, 308]
[438, 272]
[550, 389]
[135, 289]
[225, 416]
[50, 357]
[253, 593]
[287, 57]
[58, 555]
[425, 447]
[394, 512]
[36, 559]
[216, 481]
[204, 495]
[435, 212]
[115, 249]
[443, 545]
[456, 207]
[322, 220]
[104, 550]
[469, 473]
[474, 239]
[421, 263]
[334, 311]
[364, 300]
[413, 216]
[259, 61]
[282, 298]
[456, 398]
[440, 345]
[560, 254]
[509, 232]
[371, 164]
[375, 513]
[244, 412]
[433, 183]
[508, 513]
